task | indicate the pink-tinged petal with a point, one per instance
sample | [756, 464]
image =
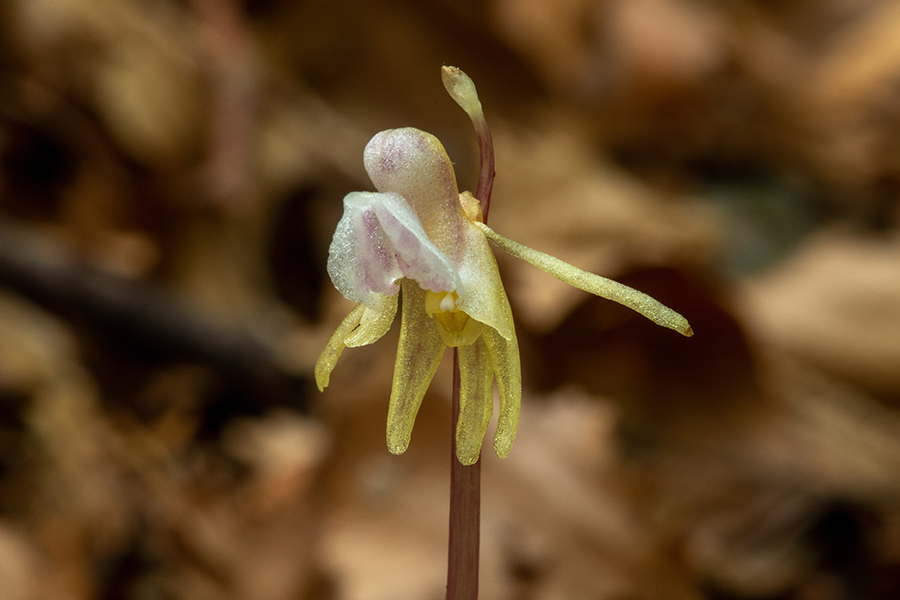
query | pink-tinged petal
[374, 323]
[415, 165]
[482, 296]
[504, 356]
[335, 346]
[361, 261]
[378, 240]
[416, 255]
[476, 400]
[418, 354]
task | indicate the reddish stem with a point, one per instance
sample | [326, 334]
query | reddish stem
[486, 175]
[465, 514]
[465, 481]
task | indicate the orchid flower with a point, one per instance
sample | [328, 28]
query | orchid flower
[419, 236]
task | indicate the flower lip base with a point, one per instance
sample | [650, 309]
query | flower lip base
[454, 326]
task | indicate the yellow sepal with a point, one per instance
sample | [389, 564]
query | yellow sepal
[476, 400]
[640, 302]
[482, 296]
[418, 354]
[332, 352]
[504, 357]
[374, 323]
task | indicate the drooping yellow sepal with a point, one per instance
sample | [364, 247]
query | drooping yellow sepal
[363, 326]
[335, 346]
[418, 354]
[476, 400]
[374, 323]
[504, 357]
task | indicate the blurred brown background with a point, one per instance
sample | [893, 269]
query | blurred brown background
[171, 172]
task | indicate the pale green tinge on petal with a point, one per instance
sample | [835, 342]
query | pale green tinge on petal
[374, 323]
[648, 306]
[418, 354]
[504, 357]
[482, 296]
[335, 346]
[476, 400]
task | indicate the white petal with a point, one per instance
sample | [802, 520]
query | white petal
[378, 240]
[415, 165]
[418, 257]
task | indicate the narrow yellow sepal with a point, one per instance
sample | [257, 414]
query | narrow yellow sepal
[640, 302]
[374, 323]
[332, 352]
[476, 400]
[418, 354]
[504, 357]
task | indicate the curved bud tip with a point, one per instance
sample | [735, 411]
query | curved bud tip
[462, 89]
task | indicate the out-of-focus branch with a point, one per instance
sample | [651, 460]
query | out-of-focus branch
[34, 265]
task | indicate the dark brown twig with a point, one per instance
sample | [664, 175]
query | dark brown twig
[142, 315]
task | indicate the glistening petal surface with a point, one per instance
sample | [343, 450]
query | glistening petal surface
[378, 240]
[415, 165]
[417, 256]
[482, 296]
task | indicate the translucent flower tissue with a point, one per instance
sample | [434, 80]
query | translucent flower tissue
[380, 240]
[418, 235]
